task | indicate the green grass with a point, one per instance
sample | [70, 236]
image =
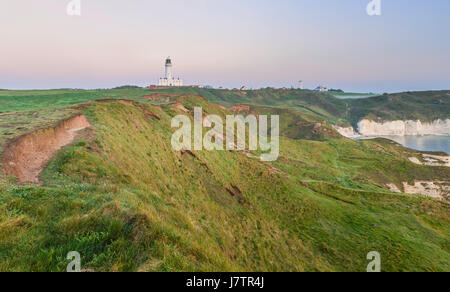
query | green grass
[337, 108]
[347, 95]
[13, 101]
[128, 202]
[425, 106]
[23, 111]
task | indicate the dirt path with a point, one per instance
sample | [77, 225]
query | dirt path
[26, 156]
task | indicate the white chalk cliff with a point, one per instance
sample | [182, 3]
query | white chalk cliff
[348, 132]
[371, 128]
[404, 128]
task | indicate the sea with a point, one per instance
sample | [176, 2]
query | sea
[423, 143]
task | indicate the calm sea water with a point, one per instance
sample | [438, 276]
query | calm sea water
[424, 143]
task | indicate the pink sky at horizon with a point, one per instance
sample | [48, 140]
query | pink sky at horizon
[225, 43]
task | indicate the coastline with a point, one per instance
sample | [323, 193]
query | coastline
[434, 141]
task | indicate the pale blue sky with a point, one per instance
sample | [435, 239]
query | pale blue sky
[227, 43]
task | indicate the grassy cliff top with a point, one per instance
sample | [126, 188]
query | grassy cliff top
[123, 198]
[425, 106]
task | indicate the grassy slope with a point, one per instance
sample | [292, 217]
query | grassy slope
[126, 201]
[294, 124]
[424, 106]
[22, 111]
[321, 105]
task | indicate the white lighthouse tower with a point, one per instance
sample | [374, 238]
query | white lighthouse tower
[168, 72]
[168, 80]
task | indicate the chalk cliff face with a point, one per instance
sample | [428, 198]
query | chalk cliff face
[437, 190]
[348, 132]
[403, 128]
[370, 128]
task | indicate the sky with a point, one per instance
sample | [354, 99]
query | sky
[229, 43]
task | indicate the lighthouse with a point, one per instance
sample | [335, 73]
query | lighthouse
[168, 80]
[168, 72]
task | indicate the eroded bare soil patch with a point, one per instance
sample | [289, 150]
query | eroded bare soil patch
[26, 156]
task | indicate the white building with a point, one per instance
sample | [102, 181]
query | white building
[168, 79]
[300, 84]
[321, 88]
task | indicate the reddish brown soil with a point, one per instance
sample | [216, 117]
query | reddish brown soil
[166, 96]
[180, 106]
[240, 108]
[221, 106]
[158, 96]
[122, 101]
[26, 156]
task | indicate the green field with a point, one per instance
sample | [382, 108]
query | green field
[123, 198]
[11, 101]
[352, 95]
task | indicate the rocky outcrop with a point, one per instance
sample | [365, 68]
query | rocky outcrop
[348, 132]
[437, 190]
[433, 189]
[431, 160]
